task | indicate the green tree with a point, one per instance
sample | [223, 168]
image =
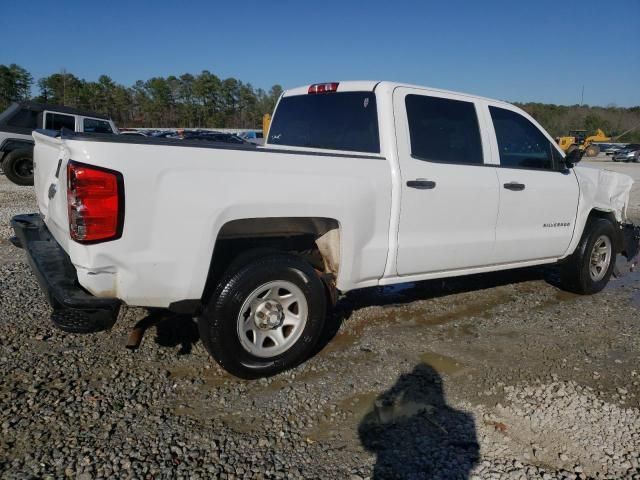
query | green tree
[15, 84]
[61, 89]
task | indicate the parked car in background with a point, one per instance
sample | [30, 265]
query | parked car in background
[214, 137]
[252, 136]
[628, 154]
[615, 148]
[131, 131]
[164, 134]
[18, 122]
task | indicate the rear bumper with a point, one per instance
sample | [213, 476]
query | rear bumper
[74, 309]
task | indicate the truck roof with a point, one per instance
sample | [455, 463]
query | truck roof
[372, 85]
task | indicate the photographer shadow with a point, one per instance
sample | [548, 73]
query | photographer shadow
[416, 435]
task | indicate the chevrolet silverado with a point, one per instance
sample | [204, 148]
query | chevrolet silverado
[359, 184]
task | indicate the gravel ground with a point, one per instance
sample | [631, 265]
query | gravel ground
[491, 376]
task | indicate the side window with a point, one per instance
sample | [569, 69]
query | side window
[520, 142]
[443, 130]
[96, 126]
[57, 121]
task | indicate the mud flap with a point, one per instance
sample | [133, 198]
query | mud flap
[630, 248]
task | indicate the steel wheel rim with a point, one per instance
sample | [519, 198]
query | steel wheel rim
[600, 258]
[272, 318]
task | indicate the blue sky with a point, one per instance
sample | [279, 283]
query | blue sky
[512, 50]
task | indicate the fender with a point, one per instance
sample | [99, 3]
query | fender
[11, 144]
[600, 191]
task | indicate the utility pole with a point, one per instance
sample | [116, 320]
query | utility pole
[64, 86]
[582, 96]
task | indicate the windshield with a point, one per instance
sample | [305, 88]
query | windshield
[332, 121]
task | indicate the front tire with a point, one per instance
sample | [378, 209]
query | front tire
[265, 316]
[588, 269]
[18, 166]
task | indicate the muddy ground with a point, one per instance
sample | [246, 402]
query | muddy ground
[489, 376]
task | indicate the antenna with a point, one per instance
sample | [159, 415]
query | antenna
[582, 96]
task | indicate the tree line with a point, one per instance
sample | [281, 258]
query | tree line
[614, 121]
[190, 101]
[206, 100]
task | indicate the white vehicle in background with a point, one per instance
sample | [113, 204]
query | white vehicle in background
[359, 184]
[18, 122]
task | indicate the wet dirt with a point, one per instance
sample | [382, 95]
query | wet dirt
[442, 364]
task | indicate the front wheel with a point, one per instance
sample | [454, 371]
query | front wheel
[589, 268]
[265, 316]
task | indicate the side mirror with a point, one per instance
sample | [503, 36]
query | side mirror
[573, 157]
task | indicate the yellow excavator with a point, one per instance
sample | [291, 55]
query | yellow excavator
[579, 139]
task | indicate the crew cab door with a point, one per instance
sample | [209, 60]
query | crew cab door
[538, 195]
[449, 195]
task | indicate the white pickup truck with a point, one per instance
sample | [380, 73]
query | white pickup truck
[358, 184]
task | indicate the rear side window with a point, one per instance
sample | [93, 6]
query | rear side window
[96, 126]
[24, 118]
[334, 121]
[57, 121]
[520, 142]
[443, 130]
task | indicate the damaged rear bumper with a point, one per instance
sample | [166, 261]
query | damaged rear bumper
[74, 309]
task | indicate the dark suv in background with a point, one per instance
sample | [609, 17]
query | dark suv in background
[20, 119]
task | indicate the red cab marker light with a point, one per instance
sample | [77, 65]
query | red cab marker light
[323, 87]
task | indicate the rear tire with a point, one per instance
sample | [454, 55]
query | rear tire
[265, 316]
[588, 269]
[18, 166]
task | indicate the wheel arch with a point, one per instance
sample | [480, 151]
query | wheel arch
[316, 239]
[610, 216]
[12, 144]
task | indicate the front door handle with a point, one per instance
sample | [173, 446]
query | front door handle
[421, 184]
[515, 186]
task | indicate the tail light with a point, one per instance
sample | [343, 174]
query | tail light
[95, 200]
[323, 87]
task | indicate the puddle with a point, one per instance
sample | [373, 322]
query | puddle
[342, 341]
[465, 330]
[441, 363]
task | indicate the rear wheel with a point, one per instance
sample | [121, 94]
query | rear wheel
[18, 166]
[265, 316]
[589, 268]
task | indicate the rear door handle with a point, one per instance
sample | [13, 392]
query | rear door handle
[421, 184]
[515, 186]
